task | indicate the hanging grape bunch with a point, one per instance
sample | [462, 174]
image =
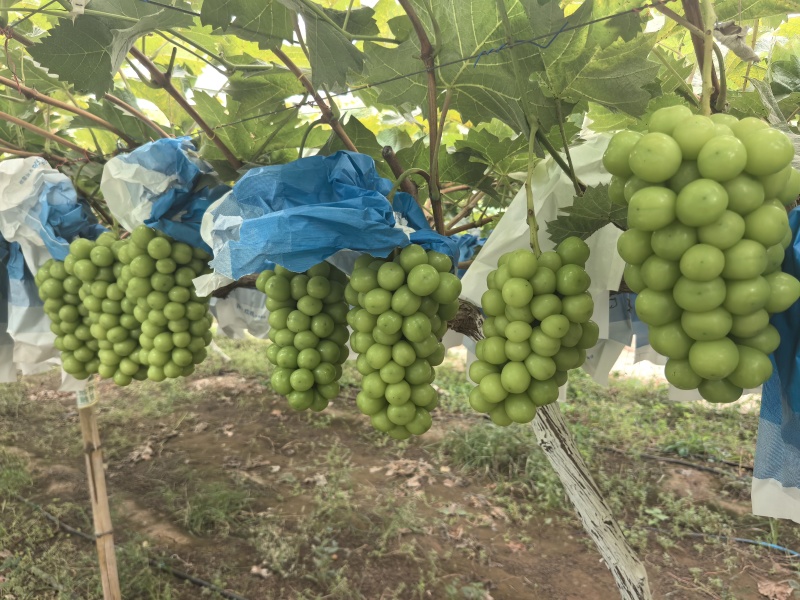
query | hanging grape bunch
[156, 277]
[307, 327]
[707, 233]
[400, 312]
[537, 328]
[127, 309]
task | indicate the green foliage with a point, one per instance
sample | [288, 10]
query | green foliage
[610, 71]
[588, 213]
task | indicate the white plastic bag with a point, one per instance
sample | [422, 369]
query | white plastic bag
[242, 311]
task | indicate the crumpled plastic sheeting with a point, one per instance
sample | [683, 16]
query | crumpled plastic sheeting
[301, 213]
[155, 185]
[40, 210]
[776, 477]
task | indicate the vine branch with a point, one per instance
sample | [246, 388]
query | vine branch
[572, 175]
[391, 159]
[39, 97]
[427, 54]
[164, 81]
[468, 226]
[134, 112]
[39, 131]
[753, 46]
[471, 204]
[694, 23]
[708, 67]
[327, 113]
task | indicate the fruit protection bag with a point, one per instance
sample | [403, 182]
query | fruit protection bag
[776, 477]
[242, 311]
[162, 185]
[468, 245]
[301, 213]
[40, 214]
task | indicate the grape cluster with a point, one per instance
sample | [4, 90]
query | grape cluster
[156, 276]
[400, 312]
[307, 327]
[707, 233]
[538, 326]
[127, 309]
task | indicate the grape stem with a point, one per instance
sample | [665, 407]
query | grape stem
[405, 175]
[753, 46]
[532, 224]
[708, 46]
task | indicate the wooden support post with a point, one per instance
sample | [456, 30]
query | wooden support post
[561, 450]
[97, 492]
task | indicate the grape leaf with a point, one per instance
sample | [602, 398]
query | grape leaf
[101, 43]
[331, 53]
[604, 119]
[588, 213]
[79, 53]
[481, 89]
[266, 22]
[364, 140]
[360, 22]
[615, 76]
[129, 125]
[502, 155]
[265, 93]
[785, 75]
[747, 10]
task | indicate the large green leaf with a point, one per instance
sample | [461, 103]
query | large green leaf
[78, 53]
[748, 10]
[88, 52]
[267, 22]
[500, 154]
[481, 89]
[262, 94]
[588, 213]
[615, 76]
[785, 76]
[363, 139]
[331, 51]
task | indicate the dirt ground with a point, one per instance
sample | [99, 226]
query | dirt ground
[220, 479]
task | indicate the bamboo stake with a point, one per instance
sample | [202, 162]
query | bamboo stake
[98, 494]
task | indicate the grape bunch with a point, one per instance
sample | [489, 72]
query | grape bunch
[127, 309]
[400, 312]
[708, 227]
[538, 326]
[307, 316]
[69, 319]
[155, 276]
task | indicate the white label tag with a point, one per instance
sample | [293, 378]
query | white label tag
[86, 398]
[78, 6]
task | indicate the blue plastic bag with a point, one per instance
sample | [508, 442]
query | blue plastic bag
[776, 476]
[303, 212]
[155, 185]
[468, 245]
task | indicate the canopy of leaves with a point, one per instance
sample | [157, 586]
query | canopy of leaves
[253, 73]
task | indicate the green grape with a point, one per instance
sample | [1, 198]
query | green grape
[520, 359]
[708, 274]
